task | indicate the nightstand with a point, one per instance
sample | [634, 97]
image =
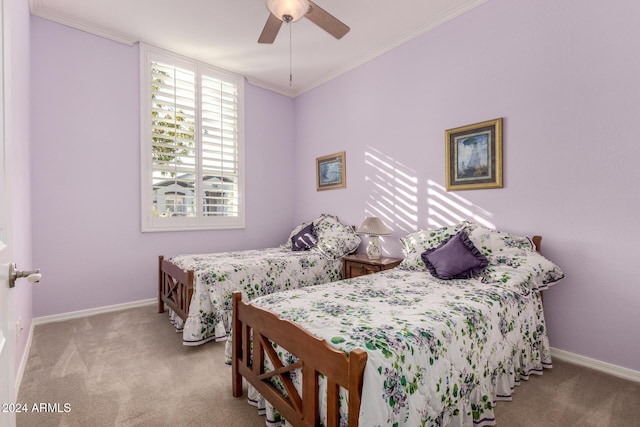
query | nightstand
[360, 264]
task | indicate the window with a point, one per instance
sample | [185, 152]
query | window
[192, 144]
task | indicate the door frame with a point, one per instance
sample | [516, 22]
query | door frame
[7, 355]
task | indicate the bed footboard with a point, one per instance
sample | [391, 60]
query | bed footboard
[255, 330]
[175, 288]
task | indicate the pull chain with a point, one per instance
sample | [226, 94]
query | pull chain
[290, 56]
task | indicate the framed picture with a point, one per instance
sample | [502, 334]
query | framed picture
[474, 156]
[331, 172]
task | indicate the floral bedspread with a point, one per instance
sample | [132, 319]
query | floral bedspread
[440, 352]
[255, 273]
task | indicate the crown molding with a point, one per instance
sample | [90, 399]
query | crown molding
[271, 87]
[410, 35]
[37, 9]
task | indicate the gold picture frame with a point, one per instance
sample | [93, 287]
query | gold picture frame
[473, 156]
[331, 172]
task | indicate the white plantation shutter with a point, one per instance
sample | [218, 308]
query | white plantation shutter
[219, 147]
[192, 175]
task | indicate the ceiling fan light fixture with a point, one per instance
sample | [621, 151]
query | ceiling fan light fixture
[296, 9]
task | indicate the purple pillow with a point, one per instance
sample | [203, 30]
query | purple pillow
[455, 258]
[304, 239]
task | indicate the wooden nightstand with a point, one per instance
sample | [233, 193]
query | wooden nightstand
[360, 264]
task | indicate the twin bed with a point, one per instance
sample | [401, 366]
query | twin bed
[434, 342]
[197, 289]
[405, 347]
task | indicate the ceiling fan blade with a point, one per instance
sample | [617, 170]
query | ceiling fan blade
[270, 30]
[326, 21]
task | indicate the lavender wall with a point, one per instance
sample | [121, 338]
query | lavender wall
[18, 165]
[564, 75]
[86, 175]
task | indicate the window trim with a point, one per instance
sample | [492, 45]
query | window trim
[149, 223]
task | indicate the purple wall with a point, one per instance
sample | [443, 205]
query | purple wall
[86, 175]
[564, 75]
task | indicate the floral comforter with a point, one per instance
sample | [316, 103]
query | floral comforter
[440, 352]
[255, 273]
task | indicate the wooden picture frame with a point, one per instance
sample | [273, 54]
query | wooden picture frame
[473, 156]
[331, 172]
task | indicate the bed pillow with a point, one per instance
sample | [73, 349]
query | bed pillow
[305, 239]
[334, 238]
[539, 271]
[455, 258]
[493, 242]
[511, 255]
[544, 272]
[293, 233]
[414, 244]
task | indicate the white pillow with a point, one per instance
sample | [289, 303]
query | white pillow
[334, 238]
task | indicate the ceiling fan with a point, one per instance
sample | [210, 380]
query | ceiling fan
[292, 10]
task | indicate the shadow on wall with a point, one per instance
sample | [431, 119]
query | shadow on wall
[398, 197]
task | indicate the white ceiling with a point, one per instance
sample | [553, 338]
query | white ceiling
[224, 33]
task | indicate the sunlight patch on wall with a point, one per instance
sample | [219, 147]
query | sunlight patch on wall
[447, 208]
[395, 195]
[406, 203]
[392, 193]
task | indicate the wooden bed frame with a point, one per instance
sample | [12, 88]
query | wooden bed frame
[537, 240]
[175, 288]
[255, 330]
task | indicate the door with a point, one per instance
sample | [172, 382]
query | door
[7, 340]
[7, 362]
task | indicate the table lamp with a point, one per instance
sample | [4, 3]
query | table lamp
[373, 227]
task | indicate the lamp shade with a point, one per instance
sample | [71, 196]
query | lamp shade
[296, 9]
[373, 226]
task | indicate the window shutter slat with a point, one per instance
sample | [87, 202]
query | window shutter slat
[219, 112]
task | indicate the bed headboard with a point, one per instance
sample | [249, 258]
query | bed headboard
[536, 241]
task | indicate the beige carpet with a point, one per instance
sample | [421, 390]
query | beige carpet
[129, 368]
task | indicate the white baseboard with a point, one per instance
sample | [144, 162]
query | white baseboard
[92, 311]
[607, 368]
